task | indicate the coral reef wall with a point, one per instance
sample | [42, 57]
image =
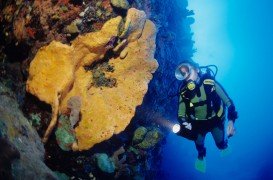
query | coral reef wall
[27, 26]
[47, 42]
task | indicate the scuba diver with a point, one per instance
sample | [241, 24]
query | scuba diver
[202, 104]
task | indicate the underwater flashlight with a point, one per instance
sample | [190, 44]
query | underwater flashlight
[176, 128]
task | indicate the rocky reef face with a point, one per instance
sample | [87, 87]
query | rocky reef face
[19, 142]
[94, 63]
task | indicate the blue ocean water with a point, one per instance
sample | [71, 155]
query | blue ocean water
[237, 36]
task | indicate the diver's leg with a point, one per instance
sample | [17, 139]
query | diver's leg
[200, 163]
[199, 144]
[218, 133]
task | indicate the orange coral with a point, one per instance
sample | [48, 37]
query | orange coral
[106, 4]
[8, 13]
[97, 26]
[19, 29]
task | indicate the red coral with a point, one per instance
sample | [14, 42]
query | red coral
[31, 32]
[63, 2]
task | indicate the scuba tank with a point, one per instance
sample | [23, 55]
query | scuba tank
[209, 71]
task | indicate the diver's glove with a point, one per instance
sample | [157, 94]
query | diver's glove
[187, 125]
[232, 113]
[183, 122]
[230, 129]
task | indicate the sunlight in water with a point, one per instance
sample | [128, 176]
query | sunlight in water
[210, 34]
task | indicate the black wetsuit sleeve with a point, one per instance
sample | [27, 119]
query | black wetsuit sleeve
[223, 95]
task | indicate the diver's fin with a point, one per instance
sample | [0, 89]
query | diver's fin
[226, 152]
[200, 165]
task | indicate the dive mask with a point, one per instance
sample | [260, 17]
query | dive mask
[183, 71]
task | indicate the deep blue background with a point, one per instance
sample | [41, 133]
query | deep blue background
[245, 70]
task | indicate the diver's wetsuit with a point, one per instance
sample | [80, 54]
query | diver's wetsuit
[216, 127]
[203, 104]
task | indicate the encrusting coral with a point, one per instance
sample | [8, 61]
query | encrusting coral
[58, 72]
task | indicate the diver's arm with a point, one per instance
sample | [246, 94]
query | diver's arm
[223, 95]
[232, 114]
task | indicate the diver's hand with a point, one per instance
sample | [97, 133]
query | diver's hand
[230, 129]
[187, 125]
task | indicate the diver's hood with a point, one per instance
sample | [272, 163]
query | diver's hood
[186, 73]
